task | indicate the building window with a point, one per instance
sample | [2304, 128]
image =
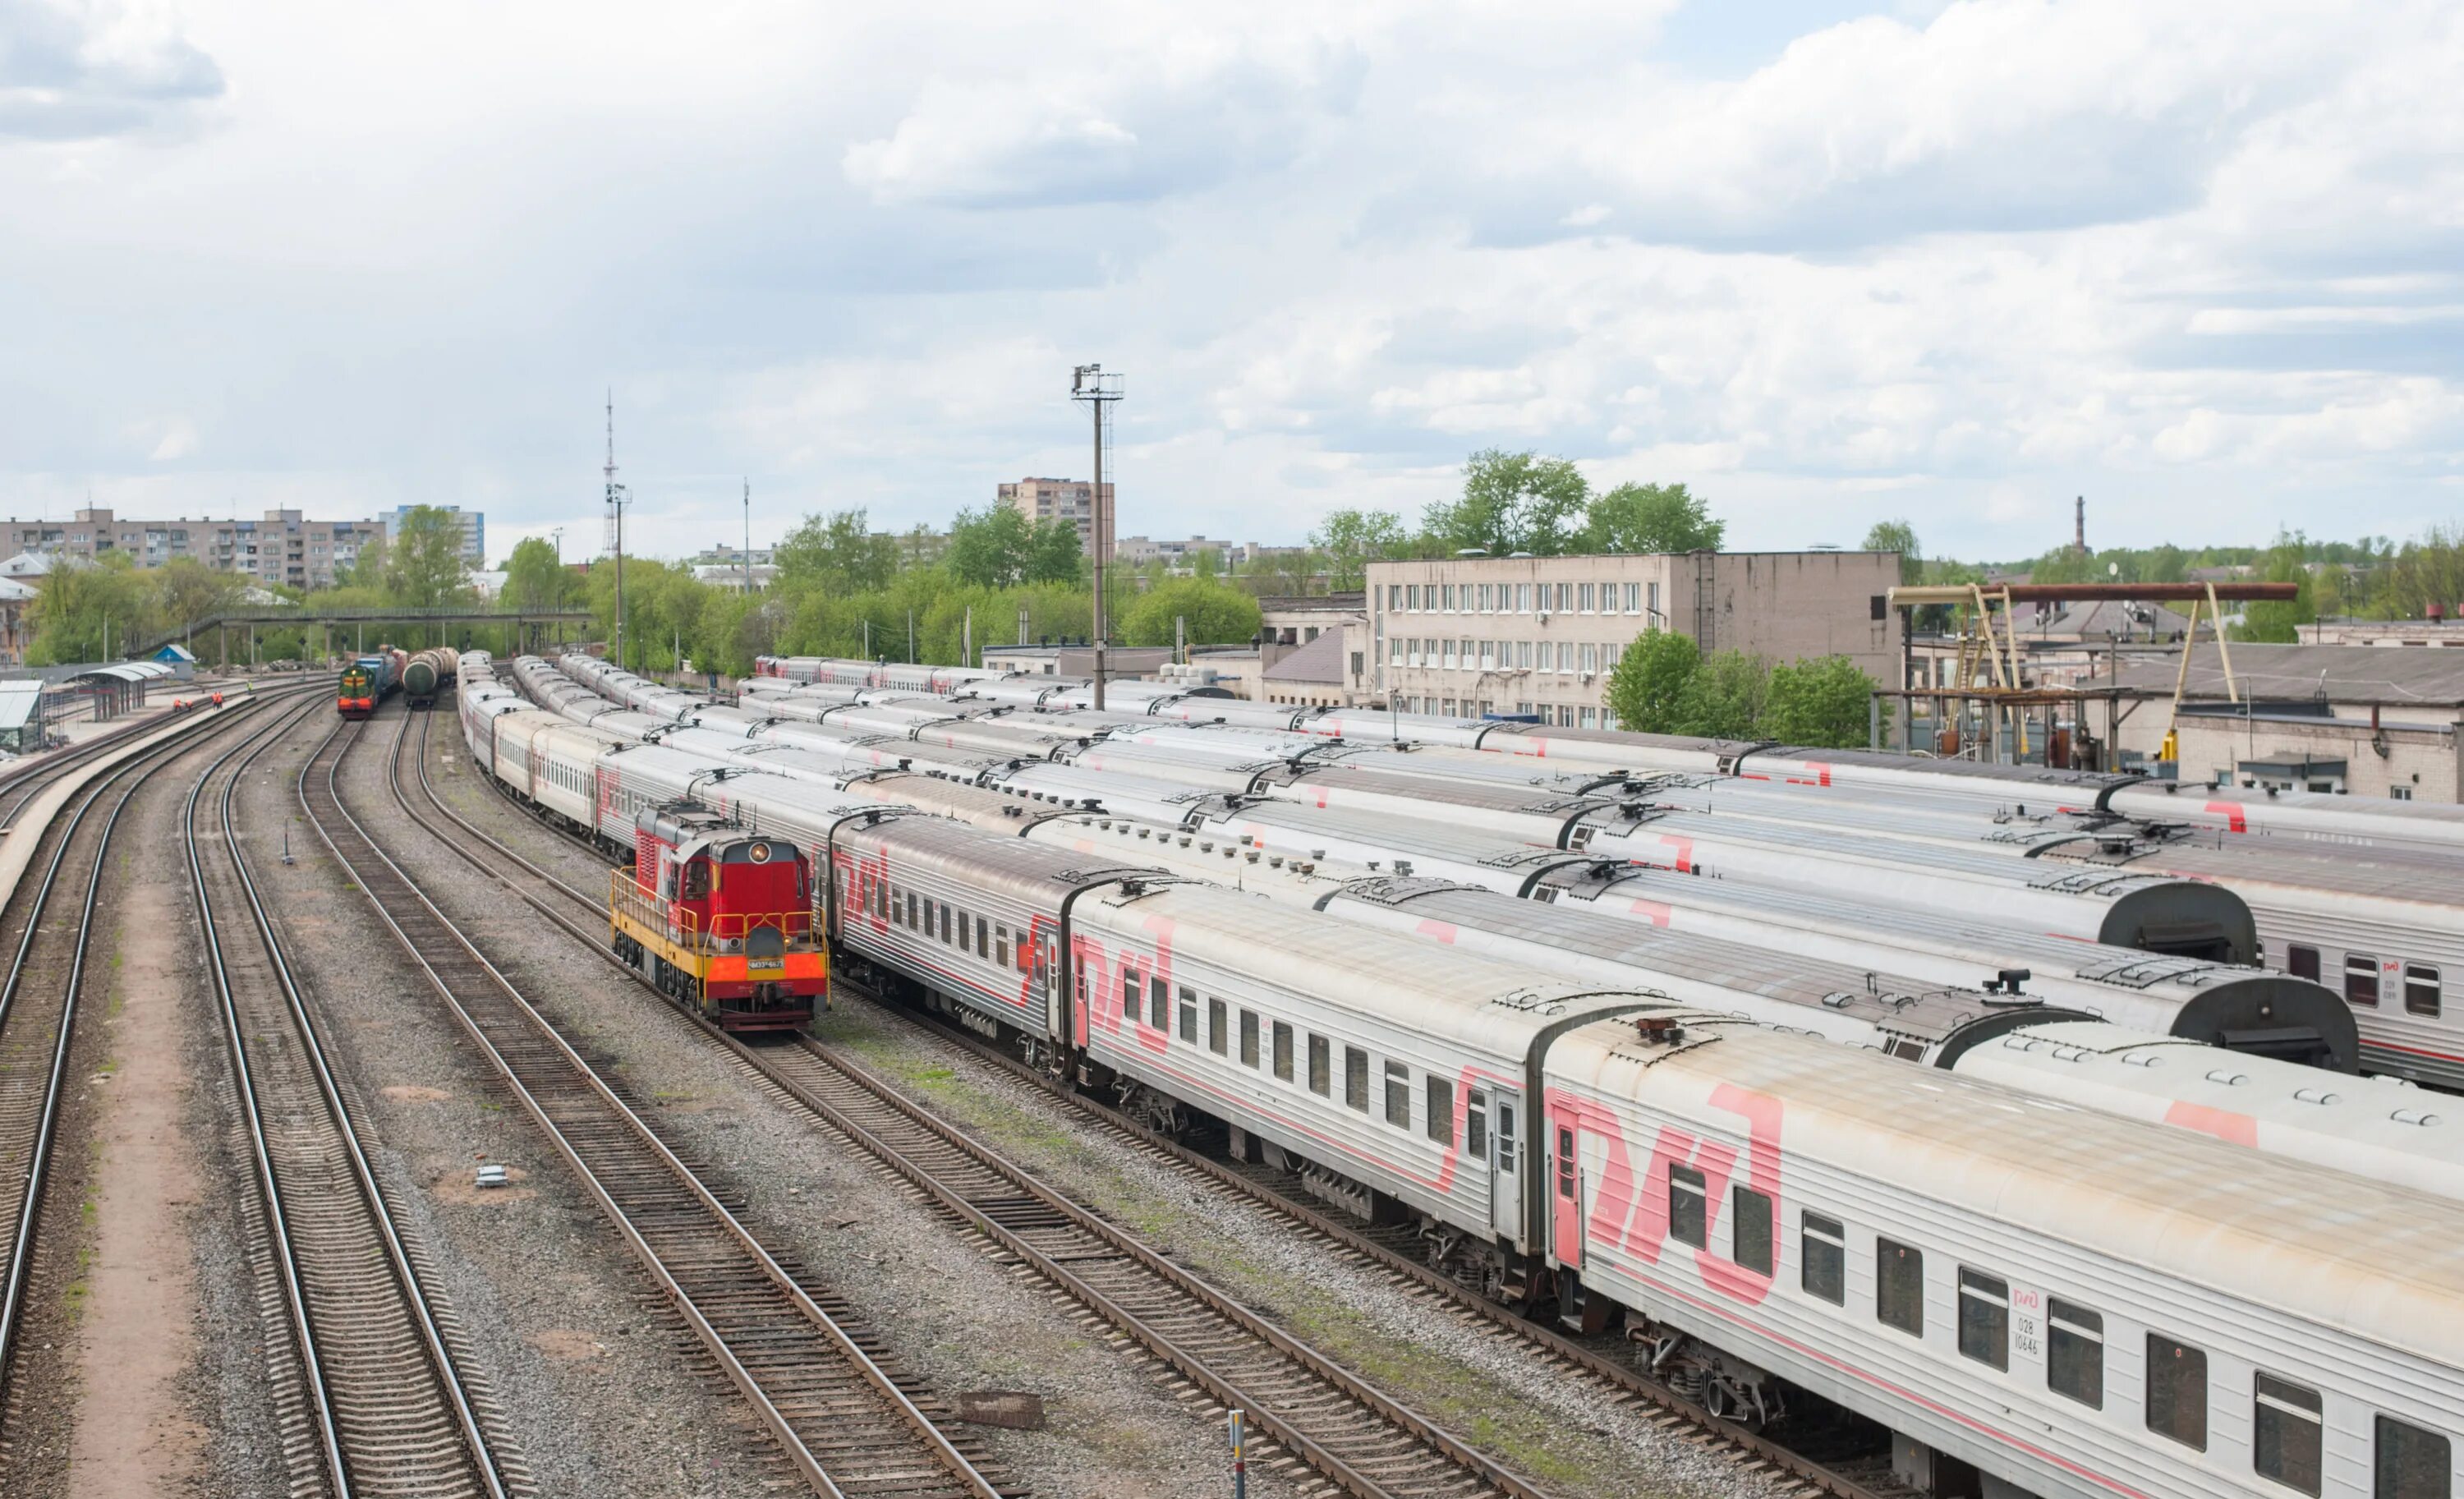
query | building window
[1899, 1287]
[1566, 656]
[1651, 596]
[1591, 658]
[1587, 598]
[2286, 1433]
[1398, 1095]
[1441, 1122]
[1985, 1318]
[1521, 597]
[1484, 590]
[1317, 1054]
[1591, 719]
[1688, 1209]
[1523, 655]
[1356, 1078]
[2361, 980]
[1634, 597]
[2411, 1464]
[1412, 597]
[2400, 793]
[1394, 652]
[2177, 1391]
[1451, 593]
[2421, 989]
[2074, 1353]
[1450, 653]
[1749, 1229]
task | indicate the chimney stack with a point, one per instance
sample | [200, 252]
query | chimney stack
[2079, 527]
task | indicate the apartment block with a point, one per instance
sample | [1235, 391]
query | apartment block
[475, 530]
[1065, 499]
[283, 547]
[1539, 635]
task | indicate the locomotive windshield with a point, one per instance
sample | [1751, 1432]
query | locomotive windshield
[355, 679]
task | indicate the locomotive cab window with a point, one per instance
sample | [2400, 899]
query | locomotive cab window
[2286, 1434]
[2177, 1391]
[1984, 1318]
[1822, 1257]
[2421, 989]
[2074, 1353]
[2411, 1463]
[2361, 980]
[1686, 1206]
[1899, 1287]
[2301, 961]
[1749, 1229]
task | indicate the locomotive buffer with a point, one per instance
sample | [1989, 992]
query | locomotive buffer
[719, 919]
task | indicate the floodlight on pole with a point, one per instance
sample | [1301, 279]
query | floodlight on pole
[1089, 383]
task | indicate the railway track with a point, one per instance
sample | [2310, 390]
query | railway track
[1355, 1437]
[379, 1405]
[849, 1421]
[38, 1017]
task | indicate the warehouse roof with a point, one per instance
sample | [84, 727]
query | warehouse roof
[2387, 675]
[1321, 660]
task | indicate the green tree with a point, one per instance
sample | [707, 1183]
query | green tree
[423, 566]
[81, 606]
[534, 579]
[1054, 553]
[838, 551]
[185, 590]
[1898, 536]
[1351, 540]
[1824, 702]
[2280, 623]
[1512, 502]
[1217, 615]
[1649, 686]
[990, 548]
[1650, 518]
[1727, 699]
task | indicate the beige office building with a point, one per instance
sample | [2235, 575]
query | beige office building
[1539, 635]
[1065, 499]
[283, 547]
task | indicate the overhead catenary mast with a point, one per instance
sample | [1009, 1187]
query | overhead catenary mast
[1089, 384]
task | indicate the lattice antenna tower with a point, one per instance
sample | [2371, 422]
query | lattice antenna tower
[613, 540]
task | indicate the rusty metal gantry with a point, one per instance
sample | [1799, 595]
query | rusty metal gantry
[1989, 672]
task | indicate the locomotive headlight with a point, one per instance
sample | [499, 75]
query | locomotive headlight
[759, 853]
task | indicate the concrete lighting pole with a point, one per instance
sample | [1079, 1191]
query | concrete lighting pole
[1091, 385]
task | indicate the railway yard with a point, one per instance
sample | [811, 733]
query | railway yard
[1479, 1110]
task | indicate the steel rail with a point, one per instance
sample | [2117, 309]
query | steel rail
[28, 1212]
[416, 1302]
[335, 816]
[1749, 1446]
[1221, 1350]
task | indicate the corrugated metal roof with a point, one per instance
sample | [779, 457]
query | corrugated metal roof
[2345, 673]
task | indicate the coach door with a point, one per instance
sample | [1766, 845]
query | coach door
[1506, 1163]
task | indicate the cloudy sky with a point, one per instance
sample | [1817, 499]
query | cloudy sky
[1825, 263]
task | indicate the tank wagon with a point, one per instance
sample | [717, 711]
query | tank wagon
[426, 673]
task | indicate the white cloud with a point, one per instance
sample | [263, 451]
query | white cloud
[80, 68]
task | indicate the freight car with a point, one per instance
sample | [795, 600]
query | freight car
[424, 675]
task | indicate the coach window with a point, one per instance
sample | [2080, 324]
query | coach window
[1985, 1318]
[2177, 1391]
[1476, 1124]
[2301, 961]
[1001, 945]
[1026, 950]
[1686, 1208]
[1283, 1050]
[1129, 995]
[911, 910]
[1566, 1162]
[1749, 1229]
[1158, 1003]
[1219, 1027]
[2360, 978]
[1248, 1038]
[1899, 1287]
[1398, 1095]
[1440, 1123]
[2421, 989]
[2285, 1435]
[1356, 1078]
[1823, 1259]
[984, 938]
[1189, 1014]
[2413, 1464]
[1319, 1081]
[2074, 1353]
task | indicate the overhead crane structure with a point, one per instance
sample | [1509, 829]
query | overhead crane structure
[1989, 685]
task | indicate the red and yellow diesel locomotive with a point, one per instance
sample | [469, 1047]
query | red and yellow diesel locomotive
[719, 918]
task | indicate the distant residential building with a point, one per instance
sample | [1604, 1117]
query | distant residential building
[733, 576]
[283, 548]
[16, 633]
[475, 530]
[725, 556]
[1468, 636]
[921, 547]
[1180, 553]
[1065, 499]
